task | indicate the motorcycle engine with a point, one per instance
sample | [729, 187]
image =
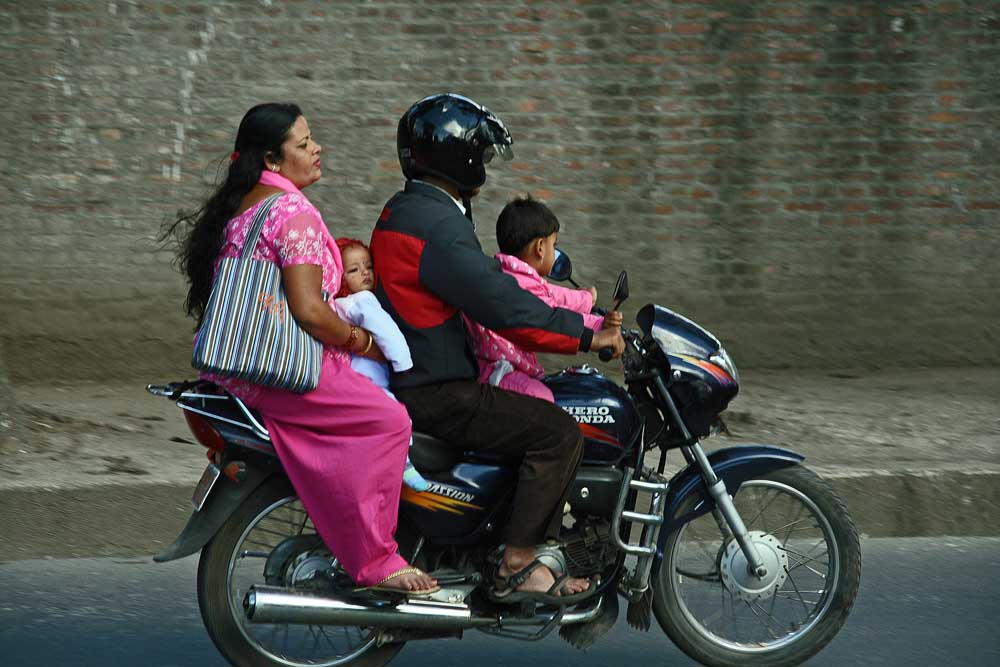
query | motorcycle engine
[587, 546]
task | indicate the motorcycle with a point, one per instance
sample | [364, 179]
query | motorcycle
[743, 556]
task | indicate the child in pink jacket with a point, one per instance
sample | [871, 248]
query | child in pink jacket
[526, 235]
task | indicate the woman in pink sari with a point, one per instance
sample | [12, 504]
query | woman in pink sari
[343, 444]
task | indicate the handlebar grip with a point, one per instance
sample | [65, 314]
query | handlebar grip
[597, 310]
[606, 354]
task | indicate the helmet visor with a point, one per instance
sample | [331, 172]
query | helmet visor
[503, 151]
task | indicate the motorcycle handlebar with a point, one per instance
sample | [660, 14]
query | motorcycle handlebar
[631, 336]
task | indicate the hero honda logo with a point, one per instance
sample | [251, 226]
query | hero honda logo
[590, 414]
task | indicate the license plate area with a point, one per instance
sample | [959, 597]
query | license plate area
[205, 485]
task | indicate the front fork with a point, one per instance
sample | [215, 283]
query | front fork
[725, 514]
[730, 518]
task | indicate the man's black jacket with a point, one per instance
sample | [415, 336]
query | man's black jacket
[431, 269]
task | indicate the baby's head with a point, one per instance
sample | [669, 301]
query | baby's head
[527, 229]
[359, 273]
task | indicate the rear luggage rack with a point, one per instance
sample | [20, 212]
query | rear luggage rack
[191, 396]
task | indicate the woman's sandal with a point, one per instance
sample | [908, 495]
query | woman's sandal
[380, 587]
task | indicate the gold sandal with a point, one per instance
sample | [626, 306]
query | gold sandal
[382, 588]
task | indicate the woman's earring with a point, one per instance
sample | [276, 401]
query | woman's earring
[275, 168]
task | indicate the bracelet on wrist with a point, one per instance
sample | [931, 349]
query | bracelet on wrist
[353, 338]
[371, 339]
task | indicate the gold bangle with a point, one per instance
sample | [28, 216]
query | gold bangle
[371, 339]
[353, 338]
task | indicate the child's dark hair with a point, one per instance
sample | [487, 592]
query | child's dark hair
[522, 221]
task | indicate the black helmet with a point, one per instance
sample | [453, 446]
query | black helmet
[451, 137]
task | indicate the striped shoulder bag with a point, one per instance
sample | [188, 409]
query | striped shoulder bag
[248, 331]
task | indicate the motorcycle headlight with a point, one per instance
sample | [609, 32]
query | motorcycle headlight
[723, 361]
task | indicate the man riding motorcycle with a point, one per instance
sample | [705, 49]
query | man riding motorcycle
[431, 269]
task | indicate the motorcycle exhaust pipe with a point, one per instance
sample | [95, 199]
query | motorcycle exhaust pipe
[270, 604]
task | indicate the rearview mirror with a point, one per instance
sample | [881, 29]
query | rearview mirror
[562, 268]
[621, 290]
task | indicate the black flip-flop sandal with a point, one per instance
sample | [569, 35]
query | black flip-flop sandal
[509, 593]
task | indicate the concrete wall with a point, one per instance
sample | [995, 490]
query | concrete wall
[817, 182]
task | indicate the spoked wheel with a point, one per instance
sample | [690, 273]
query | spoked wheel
[719, 614]
[271, 540]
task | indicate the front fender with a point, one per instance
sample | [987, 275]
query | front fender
[733, 465]
[220, 504]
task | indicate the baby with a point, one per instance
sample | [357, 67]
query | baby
[526, 235]
[358, 305]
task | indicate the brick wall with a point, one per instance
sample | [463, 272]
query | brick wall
[816, 182]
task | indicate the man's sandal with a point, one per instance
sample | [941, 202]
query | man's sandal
[380, 587]
[505, 588]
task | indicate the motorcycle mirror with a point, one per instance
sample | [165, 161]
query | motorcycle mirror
[621, 290]
[562, 268]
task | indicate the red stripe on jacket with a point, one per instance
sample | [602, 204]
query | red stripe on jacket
[397, 265]
[540, 340]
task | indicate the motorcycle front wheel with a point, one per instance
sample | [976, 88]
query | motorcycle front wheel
[270, 540]
[708, 603]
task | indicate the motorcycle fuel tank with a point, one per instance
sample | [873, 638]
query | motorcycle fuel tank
[606, 414]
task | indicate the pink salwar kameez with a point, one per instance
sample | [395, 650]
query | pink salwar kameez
[344, 444]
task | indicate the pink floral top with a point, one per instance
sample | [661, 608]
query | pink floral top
[293, 233]
[490, 347]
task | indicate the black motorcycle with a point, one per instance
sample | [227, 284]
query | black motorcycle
[744, 556]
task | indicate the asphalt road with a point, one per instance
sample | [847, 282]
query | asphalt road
[926, 601]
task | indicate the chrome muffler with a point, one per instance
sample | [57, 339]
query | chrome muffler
[270, 604]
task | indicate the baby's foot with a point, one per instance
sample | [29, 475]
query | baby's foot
[413, 479]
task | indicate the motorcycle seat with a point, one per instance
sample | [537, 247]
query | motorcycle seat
[430, 455]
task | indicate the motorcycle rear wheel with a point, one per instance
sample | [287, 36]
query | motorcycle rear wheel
[234, 560]
[712, 610]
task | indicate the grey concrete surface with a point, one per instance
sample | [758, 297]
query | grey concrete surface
[923, 602]
[105, 469]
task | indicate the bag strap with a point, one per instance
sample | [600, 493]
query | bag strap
[257, 225]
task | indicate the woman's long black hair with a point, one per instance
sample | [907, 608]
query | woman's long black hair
[200, 234]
